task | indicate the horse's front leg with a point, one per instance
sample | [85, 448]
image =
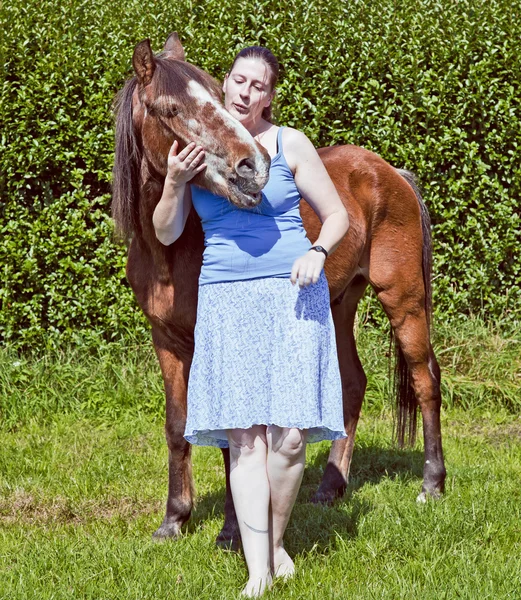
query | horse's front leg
[180, 485]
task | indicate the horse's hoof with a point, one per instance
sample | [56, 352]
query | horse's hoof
[226, 541]
[326, 497]
[166, 531]
[424, 495]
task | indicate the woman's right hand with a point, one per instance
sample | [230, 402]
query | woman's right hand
[186, 165]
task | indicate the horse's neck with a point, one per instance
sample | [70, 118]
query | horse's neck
[150, 194]
[169, 261]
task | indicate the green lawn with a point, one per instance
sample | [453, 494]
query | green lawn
[79, 500]
[83, 478]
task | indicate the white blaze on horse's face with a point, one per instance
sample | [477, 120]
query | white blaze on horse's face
[241, 181]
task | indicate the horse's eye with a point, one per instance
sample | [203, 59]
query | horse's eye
[170, 113]
[151, 111]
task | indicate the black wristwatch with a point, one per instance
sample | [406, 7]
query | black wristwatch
[320, 249]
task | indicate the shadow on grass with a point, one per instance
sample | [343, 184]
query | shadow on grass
[207, 507]
[370, 464]
[313, 527]
[317, 526]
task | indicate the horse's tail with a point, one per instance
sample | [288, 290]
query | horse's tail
[406, 402]
[127, 164]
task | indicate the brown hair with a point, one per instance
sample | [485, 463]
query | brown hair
[267, 56]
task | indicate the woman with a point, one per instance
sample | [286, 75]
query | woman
[264, 378]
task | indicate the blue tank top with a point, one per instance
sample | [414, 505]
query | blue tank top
[249, 243]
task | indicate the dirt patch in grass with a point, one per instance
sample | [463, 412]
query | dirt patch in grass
[505, 435]
[494, 433]
[23, 508]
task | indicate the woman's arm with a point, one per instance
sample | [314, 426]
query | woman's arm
[172, 210]
[316, 187]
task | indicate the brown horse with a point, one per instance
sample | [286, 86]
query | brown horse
[387, 247]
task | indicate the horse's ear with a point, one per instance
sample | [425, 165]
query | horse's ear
[144, 62]
[173, 47]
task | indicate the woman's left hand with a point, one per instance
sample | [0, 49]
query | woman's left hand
[307, 268]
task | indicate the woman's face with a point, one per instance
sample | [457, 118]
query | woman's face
[247, 91]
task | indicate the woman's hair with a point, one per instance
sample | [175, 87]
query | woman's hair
[270, 61]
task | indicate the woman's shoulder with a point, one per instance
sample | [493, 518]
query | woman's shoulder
[293, 136]
[297, 146]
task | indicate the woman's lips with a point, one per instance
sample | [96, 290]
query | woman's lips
[240, 108]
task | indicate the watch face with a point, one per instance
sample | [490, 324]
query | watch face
[319, 249]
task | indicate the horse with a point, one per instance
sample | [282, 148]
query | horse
[387, 247]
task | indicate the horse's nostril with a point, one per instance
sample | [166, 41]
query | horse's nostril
[245, 168]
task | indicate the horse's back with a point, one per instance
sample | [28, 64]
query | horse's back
[383, 211]
[365, 178]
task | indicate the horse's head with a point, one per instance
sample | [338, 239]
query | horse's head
[174, 100]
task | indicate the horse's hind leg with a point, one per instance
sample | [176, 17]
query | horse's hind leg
[354, 381]
[401, 292]
[180, 487]
[229, 537]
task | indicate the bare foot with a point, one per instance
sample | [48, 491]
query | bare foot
[257, 585]
[283, 566]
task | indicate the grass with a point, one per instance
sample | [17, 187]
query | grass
[80, 499]
[83, 483]
[481, 369]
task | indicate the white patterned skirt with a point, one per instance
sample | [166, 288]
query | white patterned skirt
[265, 353]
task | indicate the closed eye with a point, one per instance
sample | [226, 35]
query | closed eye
[163, 112]
[170, 113]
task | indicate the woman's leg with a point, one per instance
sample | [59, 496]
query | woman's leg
[285, 463]
[251, 497]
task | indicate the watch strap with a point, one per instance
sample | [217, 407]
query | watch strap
[320, 249]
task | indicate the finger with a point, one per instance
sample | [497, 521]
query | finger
[193, 155]
[186, 151]
[313, 275]
[316, 276]
[316, 270]
[294, 273]
[198, 158]
[307, 274]
[173, 148]
[200, 168]
[301, 277]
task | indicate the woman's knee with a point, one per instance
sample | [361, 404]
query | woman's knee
[288, 442]
[247, 442]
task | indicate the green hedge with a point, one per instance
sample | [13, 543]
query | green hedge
[431, 86]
